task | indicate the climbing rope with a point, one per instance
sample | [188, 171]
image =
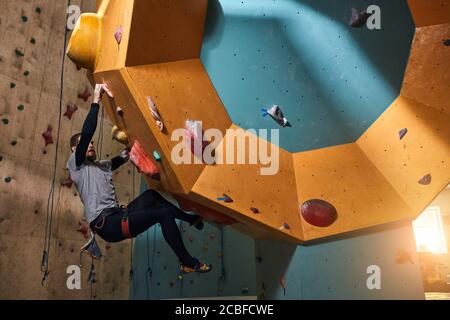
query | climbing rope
[51, 196]
[132, 280]
[181, 278]
[222, 261]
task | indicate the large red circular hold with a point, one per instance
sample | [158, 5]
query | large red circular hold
[319, 213]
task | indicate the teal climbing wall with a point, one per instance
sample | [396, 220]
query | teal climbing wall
[233, 256]
[331, 81]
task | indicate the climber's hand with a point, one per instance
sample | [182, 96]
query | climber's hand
[101, 88]
[125, 154]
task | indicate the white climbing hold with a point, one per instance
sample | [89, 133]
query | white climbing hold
[155, 113]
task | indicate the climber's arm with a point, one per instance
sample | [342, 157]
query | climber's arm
[118, 161]
[87, 133]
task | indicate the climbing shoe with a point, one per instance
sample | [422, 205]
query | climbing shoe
[199, 268]
[198, 224]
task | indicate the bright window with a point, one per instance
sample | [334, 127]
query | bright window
[429, 232]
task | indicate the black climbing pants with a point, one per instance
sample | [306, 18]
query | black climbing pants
[145, 211]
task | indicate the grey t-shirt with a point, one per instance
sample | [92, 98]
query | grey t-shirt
[93, 181]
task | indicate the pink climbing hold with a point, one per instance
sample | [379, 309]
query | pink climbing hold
[71, 109]
[155, 113]
[67, 183]
[85, 94]
[143, 162]
[47, 135]
[318, 212]
[425, 180]
[194, 134]
[118, 34]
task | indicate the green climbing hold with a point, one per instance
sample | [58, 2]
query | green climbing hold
[38, 10]
[24, 18]
[180, 277]
[5, 121]
[156, 155]
[19, 53]
[13, 143]
[26, 73]
[33, 40]
[12, 85]
[20, 107]
[8, 179]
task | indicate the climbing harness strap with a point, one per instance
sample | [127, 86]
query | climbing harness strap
[125, 224]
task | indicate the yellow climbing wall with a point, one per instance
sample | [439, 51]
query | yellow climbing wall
[371, 182]
[29, 91]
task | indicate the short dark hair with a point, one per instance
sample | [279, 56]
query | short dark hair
[74, 140]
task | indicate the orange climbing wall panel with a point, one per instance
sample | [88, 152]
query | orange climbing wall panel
[273, 195]
[429, 12]
[181, 90]
[425, 149]
[345, 177]
[427, 77]
[173, 32]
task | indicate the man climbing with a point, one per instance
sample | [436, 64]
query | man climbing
[112, 222]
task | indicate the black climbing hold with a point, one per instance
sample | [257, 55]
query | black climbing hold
[24, 18]
[12, 85]
[20, 107]
[5, 121]
[26, 73]
[402, 133]
[33, 40]
[425, 180]
[19, 53]
[13, 143]
[8, 179]
[38, 10]
[254, 210]
[446, 42]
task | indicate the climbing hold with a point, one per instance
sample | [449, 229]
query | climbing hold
[38, 9]
[156, 155]
[8, 179]
[194, 138]
[276, 114]
[12, 85]
[24, 18]
[26, 73]
[180, 277]
[13, 143]
[19, 53]
[119, 136]
[20, 107]
[225, 198]
[5, 121]
[254, 210]
[67, 183]
[83, 228]
[119, 111]
[318, 212]
[191, 238]
[71, 109]
[33, 40]
[244, 290]
[36, 211]
[143, 163]
[259, 259]
[446, 42]
[358, 19]
[283, 284]
[284, 226]
[403, 257]
[425, 180]
[47, 135]
[155, 114]
[402, 133]
[85, 94]
[1, 158]
[118, 34]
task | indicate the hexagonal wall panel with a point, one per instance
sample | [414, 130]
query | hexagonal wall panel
[338, 87]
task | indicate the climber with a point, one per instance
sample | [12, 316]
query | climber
[112, 222]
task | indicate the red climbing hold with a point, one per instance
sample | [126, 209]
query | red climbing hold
[85, 95]
[83, 228]
[67, 183]
[71, 109]
[47, 135]
[319, 213]
[143, 162]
